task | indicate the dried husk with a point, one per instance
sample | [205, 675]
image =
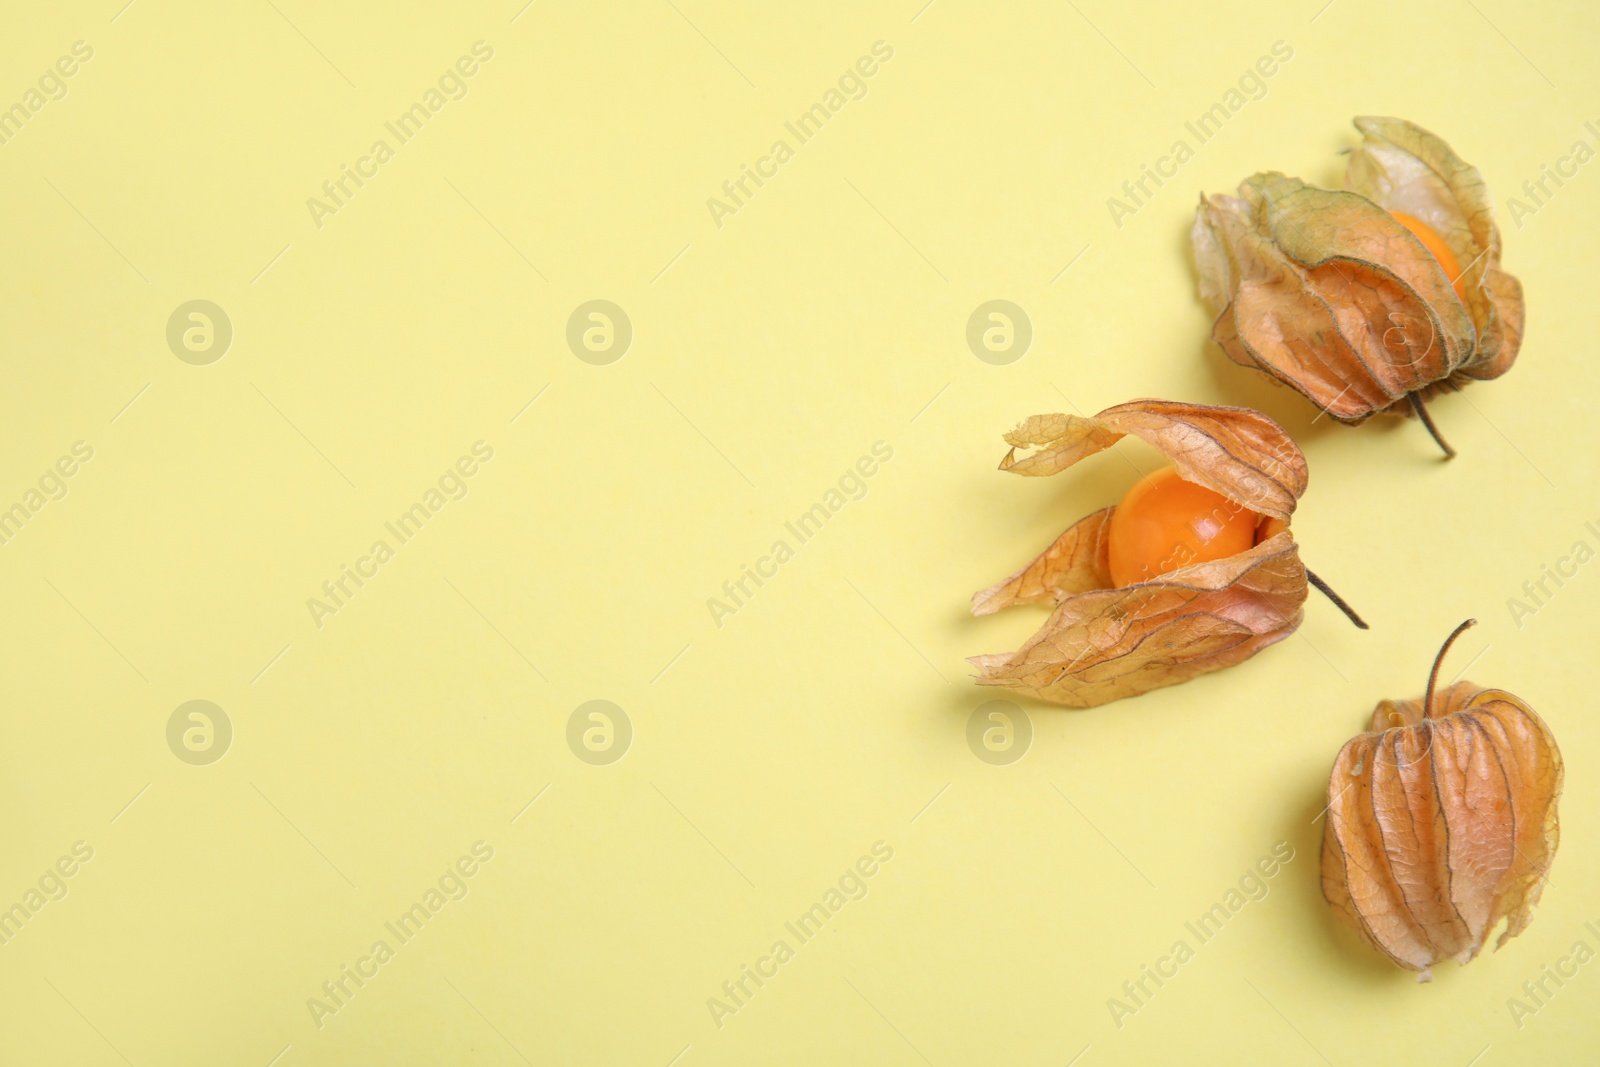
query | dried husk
[1440, 824]
[1327, 292]
[1101, 643]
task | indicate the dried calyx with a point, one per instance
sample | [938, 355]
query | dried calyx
[1126, 622]
[1370, 299]
[1441, 822]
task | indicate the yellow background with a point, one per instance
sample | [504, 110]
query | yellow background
[768, 355]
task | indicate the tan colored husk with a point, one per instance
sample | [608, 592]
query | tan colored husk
[1101, 643]
[1442, 824]
[1327, 292]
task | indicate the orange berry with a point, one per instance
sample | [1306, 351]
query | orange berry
[1269, 529]
[1435, 244]
[1164, 523]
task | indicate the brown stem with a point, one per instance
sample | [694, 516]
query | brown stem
[1433, 677]
[1338, 601]
[1427, 420]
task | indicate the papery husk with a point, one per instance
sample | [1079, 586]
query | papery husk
[1440, 826]
[1101, 643]
[1327, 292]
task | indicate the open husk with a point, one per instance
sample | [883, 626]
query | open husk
[1102, 643]
[1327, 292]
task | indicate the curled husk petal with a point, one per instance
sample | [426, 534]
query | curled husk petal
[1442, 824]
[1102, 643]
[1326, 291]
